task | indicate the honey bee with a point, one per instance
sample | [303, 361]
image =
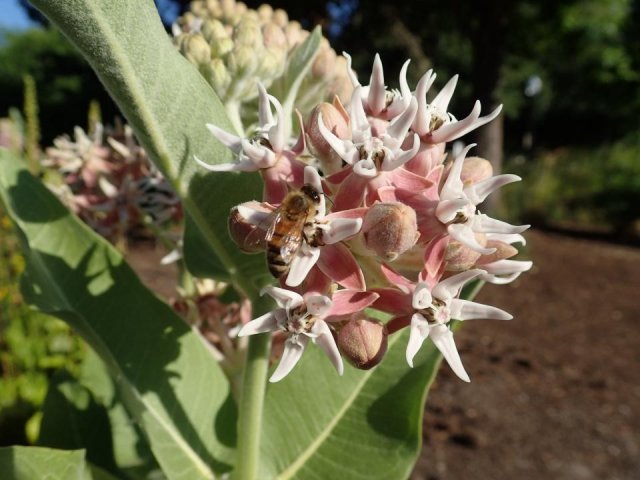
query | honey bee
[288, 228]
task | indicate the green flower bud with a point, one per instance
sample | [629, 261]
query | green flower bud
[195, 48]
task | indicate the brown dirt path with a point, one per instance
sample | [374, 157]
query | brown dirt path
[554, 393]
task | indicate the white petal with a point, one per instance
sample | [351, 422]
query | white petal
[343, 148]
[350, 71]
[478, 192]
[262, 324]
[301, 265]
[357, 115]
[442, 338]
[365, 168]
[284, 298]
[403, 157]
[419, 331]
[377, 93]
[277, 136]
[265, 117]
[442, 99]
[465, 235]
[450, 287]
[509, 238]
[318, 305]
[326, 342]
[501, 280]
[447, 209]
[467, 310]
[229, 140]
[405, 91]
[453, 186]
[421, 122]
[261, 156]
[293, 349]
[507, 267]
[485, 224]
[252, 215]
[398, 128]
[173, 256]
[453, 130]
[341, 228]
[421, 297]
[312, 177]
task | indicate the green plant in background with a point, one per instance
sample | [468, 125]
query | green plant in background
[593, 188]
[159, 398]
[32, 347]
[32, 124]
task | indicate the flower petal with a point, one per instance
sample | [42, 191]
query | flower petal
[478, 192]
[450, 287]
[393, 301]
[442, 338]
[419, 331]
[442, 99]
[421, 297]
[244, 165]
[466, 236]
[262, 324]
[485, 224]
[468, 310]
[327, 343]
[348, 301]
[377, 93]
[284, 298]
[338, 263]
[318, 305]
[454, 130]
[301, 264]
[229, 140]
[293, 349]
[453, 186]
[340, 228]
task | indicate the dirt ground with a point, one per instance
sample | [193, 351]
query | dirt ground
[554, 393]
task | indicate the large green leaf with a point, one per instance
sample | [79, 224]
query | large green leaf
[168, 103]
[29, 463]
[363, 425]
[165, 373]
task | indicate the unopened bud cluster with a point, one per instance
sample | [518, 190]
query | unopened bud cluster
[364, 212]
[236, 47]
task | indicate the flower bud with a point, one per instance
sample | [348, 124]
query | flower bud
[475, 169]
[218, 76]
[323, 65]
[274, 37]
[249, 237]
[503, 250]
[195, 48]
[338, 124]
[459, 257]
[390, 229]
[363, 342]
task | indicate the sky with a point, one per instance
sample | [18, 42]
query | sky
[12, 16]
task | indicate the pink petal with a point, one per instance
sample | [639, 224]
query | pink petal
[340, 176]
[396, 279]
[434, 259]
[352, 213]
[409, 181]
[338, 263]
[346, 302]
[391, 300]
[351, 193]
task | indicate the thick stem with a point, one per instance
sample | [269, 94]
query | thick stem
[251, 407]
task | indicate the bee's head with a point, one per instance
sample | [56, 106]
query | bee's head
[311, 192]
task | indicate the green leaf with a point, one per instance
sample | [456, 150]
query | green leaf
[168, 103]
[29, 463]
[74, 420]
[164, 372]
[361, 425]
[365, 424]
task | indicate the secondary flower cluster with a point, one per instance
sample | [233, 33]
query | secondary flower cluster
[403, 233]
[112, 186]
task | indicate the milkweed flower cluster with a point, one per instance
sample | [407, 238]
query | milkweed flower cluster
[111, 185]
[388, 223]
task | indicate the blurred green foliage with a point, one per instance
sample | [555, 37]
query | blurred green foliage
[596, 188]
[32, 347]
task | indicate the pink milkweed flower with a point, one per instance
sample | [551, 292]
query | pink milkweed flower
[428, 310]
[369, 152]
[457, 207]
[266, 152]
[303, 318]
[434, 124]
[332, 257]
[375, 98]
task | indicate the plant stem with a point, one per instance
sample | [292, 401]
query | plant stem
[251, 407]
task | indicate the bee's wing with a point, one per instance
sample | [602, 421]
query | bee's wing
[292, 240]
[256, 239]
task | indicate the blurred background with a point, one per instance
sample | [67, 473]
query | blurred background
[555, 393]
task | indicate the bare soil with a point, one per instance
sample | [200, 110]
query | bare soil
[554, 393]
